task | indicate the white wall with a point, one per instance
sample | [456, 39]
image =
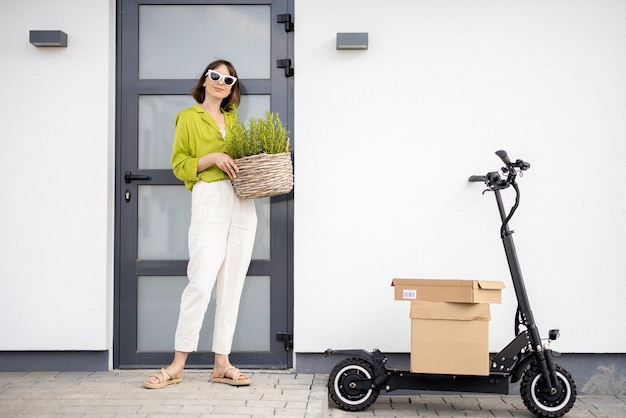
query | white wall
[57, 137]
[386, 138]
[385, 141]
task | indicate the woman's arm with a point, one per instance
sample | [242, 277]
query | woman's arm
[186, 165]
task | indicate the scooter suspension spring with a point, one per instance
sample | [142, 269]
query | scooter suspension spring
[551, 367]
[380, 380]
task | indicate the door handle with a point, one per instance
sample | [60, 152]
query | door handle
[128, 177]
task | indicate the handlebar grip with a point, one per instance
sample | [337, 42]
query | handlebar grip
[477, 179]
[504, 157]
[523, 165]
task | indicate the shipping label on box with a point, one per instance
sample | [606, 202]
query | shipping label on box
[446, 290]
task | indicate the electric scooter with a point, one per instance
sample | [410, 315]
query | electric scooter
[547, 389]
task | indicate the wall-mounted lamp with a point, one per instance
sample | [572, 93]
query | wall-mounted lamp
[45, 38]
[352, 40]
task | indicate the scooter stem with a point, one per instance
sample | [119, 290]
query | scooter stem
[520, 289]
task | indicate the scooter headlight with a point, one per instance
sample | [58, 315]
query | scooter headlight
[553, 334]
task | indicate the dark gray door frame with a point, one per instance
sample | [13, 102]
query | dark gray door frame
[126, 265]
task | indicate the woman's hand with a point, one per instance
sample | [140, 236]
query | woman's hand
[227, 165]
[222, 161]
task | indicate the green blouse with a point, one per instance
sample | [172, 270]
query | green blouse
[196, 135]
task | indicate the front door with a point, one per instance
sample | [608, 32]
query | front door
[162, 46]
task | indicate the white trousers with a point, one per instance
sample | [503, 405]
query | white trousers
[221, 237]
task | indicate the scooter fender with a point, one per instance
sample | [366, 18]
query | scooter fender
[375, 358]
[519, 368]
[363, 354]
[524, 363]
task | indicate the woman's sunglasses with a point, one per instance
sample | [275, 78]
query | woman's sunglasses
[214, 76]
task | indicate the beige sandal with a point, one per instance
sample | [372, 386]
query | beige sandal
[233, 380]
[165, 379]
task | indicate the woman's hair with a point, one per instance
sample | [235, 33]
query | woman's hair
[229, 103]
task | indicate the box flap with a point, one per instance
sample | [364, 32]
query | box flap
[450, 311]
[490, 285]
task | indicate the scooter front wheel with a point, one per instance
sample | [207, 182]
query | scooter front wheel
[537, 397]
[344, 388]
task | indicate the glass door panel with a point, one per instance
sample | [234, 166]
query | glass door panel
[169, 37]
[163, 221]
[156, 123]
[159, 300]
[164, 211]
[156, 119]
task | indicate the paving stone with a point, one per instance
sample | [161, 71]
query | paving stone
[120, 394]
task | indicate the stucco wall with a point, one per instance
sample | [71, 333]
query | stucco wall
[56, 175]
[387, 137]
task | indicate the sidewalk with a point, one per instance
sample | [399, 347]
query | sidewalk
[273, 393]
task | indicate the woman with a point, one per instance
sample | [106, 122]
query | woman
[222, 229]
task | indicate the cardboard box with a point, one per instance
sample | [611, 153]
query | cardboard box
[450, 338]
[460, 291]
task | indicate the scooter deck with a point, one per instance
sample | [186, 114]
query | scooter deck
[399, 379]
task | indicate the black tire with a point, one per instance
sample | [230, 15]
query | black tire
[540, 402]
[345, 373]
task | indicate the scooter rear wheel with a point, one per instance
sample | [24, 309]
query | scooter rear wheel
[342, 384]
[539, 401]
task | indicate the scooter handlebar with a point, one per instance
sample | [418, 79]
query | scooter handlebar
[493, 179]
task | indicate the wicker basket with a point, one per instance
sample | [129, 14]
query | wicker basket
[263, 175]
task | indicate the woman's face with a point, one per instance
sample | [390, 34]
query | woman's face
[217, 89]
